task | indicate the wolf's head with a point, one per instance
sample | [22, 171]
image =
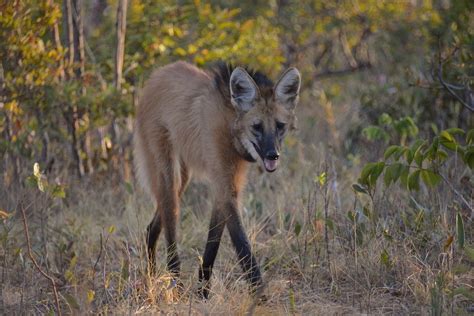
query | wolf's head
[265, 112]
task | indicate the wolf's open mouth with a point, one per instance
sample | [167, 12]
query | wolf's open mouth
[270, 165]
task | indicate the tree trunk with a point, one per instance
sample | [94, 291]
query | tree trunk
[97, 14]
[71, 115]
[121, 26]
[57, 42]
[69, 34]
[80, 55]
[119, 54]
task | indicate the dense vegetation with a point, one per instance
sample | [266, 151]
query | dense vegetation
[372, 209]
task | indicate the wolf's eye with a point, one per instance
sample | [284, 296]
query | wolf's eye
[280, 126]
[258, 127]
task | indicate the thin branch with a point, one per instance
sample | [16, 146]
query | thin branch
[365, 35]
[35, 263]
[100, 253]
[88, 50]
[457, 193]
[320, 56]
[343, 71]
[346, 50]
[448, 86]
[93, 60]
[121, 28]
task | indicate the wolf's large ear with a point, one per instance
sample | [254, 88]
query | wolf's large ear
[287, 88]
[243, 90]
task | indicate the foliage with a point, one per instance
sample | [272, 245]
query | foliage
[29, 75]
[383, 104]
[43, 109]
[422, 159]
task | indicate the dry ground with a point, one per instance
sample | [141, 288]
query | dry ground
[394, 259]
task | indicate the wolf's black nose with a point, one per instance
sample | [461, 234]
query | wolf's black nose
[272, 155]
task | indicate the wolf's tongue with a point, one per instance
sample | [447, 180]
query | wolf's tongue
[270, 165]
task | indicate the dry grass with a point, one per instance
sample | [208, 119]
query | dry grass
[92, 244]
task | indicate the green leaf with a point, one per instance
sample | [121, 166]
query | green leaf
[71, 300]
[448, 141]
[385, 259]
[388, 176]
[390, 151]
[447, 136]
[460, 230]
[322, 178]
[374, 133]
[409, 155]
[330, 224]
[58, 191]
[366, 171]
[90, 296]
[418, 155]
[449, 145]
[359, 188]
[468, 156]
[128, 187]
[297, 229]
[414, 181]
[404, 176]
[455, 131]
[430, 178]
[392, 173]
[399, 152]
[416, 150]
[385, 119]
[366, 211]
[376, 172]
[470, 137]
[441, 155]
[406, 126]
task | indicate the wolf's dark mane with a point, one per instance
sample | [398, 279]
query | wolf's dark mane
[223, 70]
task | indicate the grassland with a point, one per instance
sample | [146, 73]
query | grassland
[324, 249]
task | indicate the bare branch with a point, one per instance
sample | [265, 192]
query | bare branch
[469, 206]
[450, 88]
[365, 35]
[347, 50]
[320, 56]
[343, 71]
[120, 49]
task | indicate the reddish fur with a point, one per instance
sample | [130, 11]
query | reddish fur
[185, 126]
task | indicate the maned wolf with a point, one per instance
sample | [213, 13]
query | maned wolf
[210, 125]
